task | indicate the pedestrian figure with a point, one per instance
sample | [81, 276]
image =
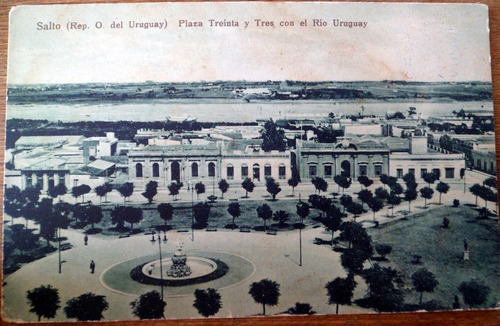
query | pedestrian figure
[456, 303]
[86, 239]
[92, 267]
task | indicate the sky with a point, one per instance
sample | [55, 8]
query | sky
[413, 42]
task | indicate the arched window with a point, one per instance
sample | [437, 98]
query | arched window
[138, 170]
[211, 169]
[156, 170]
[194, 170]
[256, 172]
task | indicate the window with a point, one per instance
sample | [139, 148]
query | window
[29, 181]
[194, 170]
[230, 172]
[412, 171]
[437, 173]
[211, 169]
[75, 183]
[450, 173]
[39, 181]
[313, 171]
[378, 170]
[423, 172]
[484, 166]
[61, 178]
[267, 170]
[156, 170]
[244, 171]
[478, 163]
[362, 170]
[328, 171]
[138, 170]
[282, 171]
[399, 173]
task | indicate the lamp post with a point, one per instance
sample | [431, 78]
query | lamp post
[192, 214]
[59, 249]
[161, 266]
[300, 245]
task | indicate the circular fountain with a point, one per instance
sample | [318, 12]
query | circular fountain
[180, 270]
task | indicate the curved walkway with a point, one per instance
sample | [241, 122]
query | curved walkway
[275, 257]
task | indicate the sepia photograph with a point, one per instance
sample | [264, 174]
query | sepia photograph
[248, 159]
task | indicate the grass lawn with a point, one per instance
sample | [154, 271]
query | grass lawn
[442, 250]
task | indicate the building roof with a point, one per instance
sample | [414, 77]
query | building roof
[34, 141]
[94, 168]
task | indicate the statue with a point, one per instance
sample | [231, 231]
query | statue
[179, 267]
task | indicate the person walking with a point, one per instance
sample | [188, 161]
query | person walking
[92, 267]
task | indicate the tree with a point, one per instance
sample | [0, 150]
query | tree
[174, 188]
[476, 190]
[80, 191]
[491, 182]
[345, 200]
[248, 185]
[375, 204]
[265, 292]
[353, 260]
[272, 187]
[108, 187]
[474, 292]
[426, 193]
[126, 190]
[166, 213]
[342, 181]
[281, 217]
[320, 184]
[442, 188]
[409, 178]
[301, 309]
[207, 302]
[31, 194]
[383, 249]
[293, 182]
[200, 189]
[272, 137]
[381, 193]
[151, 191]
[396, 188]
[340, 291]
[302, 211]
[235, 211]
[332, 220]
[58, 190]
[149, 306]
[44, 301]
[365, 181]
[86, 307]
[324, 204]
[357, 236]
[412, 110]
[393, 200]
[429, 177]
[355, 209]
[201, 212]
[424, 281]
[100, 191]
[264, 212]
[410, 195]
[384, 178]
[132, 215]
[223, 187]
[383, 288]
[94, 214]
[365, 196]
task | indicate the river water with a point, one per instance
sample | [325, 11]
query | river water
[227, 110]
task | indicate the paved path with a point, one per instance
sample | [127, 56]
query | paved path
[275, 257]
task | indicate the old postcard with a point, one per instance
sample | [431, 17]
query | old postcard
[195, 160]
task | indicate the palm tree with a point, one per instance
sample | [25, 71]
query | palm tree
[265, 292]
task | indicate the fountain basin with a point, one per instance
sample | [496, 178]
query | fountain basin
[199, 267]
[203, 270]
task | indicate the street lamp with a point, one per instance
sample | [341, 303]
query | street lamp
[153, 240]
[192, 211]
